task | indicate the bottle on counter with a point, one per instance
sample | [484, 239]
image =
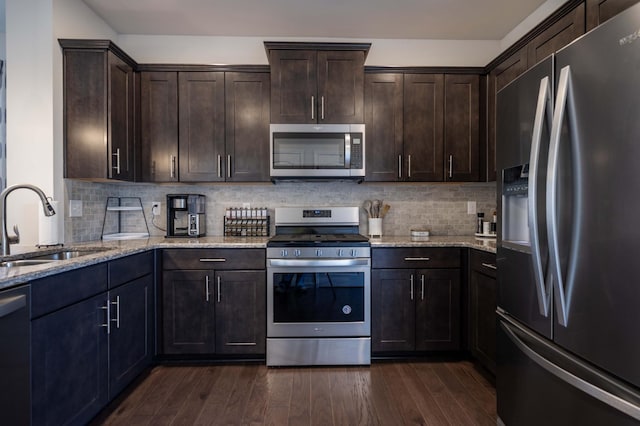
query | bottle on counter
[479, 223]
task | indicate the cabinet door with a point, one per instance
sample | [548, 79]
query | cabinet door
[240, 312]
[188, 310]
[340, 86]
[247, 126]
[293, 86]
[558, 35]
[201, 112]
[438, 319]
[120, 137]
[392, 310]
[500, 76]
[383, 121]
[483, 318]
[159, 126]
[599, 11]
[423, 127]
[130, 341]
[69, 363]
[462, 127]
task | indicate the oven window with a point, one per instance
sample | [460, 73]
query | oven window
[308, 151]
[318, 297]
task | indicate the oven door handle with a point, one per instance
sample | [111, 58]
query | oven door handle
[312, 263]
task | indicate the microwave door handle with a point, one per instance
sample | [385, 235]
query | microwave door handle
[544, 105]
[347, 150]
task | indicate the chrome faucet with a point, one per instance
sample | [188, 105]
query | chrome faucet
[6, 239]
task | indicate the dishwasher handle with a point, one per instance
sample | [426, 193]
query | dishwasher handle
[10, 305]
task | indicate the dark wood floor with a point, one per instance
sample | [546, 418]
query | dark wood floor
[421, 393]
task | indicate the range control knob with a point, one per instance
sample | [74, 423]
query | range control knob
[319, 253]
[354, 253]
[340, 252]
[285, 253]
[297, 253]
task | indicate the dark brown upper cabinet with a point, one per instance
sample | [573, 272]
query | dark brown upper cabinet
[423, 128]
[383, 124]
[417, 121]
[201, 126]
[558, 35]
[461, 127]
[317, 83]
[247, 126]
[599, 11]
[159, 126]
[99, 104]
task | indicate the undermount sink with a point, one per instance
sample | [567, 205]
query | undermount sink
[39, 259]
[24, 262]
[65, 254]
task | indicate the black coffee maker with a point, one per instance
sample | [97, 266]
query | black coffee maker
[186, 215]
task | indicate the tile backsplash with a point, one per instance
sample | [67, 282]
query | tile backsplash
[440, 207]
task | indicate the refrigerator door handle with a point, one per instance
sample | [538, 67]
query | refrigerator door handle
[552, 196]
[543, 111]
[600, 394]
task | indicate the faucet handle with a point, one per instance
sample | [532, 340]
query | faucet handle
[15, 239]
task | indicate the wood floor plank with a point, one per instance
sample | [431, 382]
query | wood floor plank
[256, 409]
[217, 399]
[300, 405]
[487, 401]
[386, 412]
[343, 396]
[239, 396]
[445, 399]
[321, 409]
[425, 402]
[406, 405]
[279, 385]
[191, 409]
[178, 397]
[155, 398]
[362, 395]
[467, 402]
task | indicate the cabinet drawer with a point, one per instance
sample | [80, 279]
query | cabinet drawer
[130, 268]
[483, 262]
[415, 257]
[213, 259]
[52, 293]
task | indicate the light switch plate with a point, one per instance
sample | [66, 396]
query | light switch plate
[75, 208]
[471, 207]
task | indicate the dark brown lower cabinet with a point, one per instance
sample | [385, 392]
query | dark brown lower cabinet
[482, 306]
[207, 311]
[415, 310]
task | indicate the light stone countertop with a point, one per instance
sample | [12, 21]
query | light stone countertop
[10, 277]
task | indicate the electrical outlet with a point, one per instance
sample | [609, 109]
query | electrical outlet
[75, 208]
[471, 207]
[155, 208]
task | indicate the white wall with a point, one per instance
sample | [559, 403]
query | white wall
[250, 50]
[34, 99]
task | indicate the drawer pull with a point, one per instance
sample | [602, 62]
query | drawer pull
[207, 259]
[417, 259]
[490, 266]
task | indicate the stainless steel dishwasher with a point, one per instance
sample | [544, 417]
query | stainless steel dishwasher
[15, 333]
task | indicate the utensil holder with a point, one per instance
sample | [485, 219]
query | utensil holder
[375, 227]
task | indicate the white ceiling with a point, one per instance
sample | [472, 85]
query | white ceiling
[359, 19]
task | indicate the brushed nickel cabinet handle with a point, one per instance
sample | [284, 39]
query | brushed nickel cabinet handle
[321, 107]
[422, 287]
[219, 166]
[117, 319]
[417, 259]
[450, 166]
[228, 166]
[117, 166]
[490, 266]
[213, 259]
[411, 291]
[107, 324]
[399, 166]
[219, 296]
[313, 107]
[409, 165]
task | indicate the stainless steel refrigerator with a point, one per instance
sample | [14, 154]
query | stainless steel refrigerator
[568, 152]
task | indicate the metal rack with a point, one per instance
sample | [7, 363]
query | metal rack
[246, 222]
[115, 227]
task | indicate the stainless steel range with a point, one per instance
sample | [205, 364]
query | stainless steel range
[318, 288]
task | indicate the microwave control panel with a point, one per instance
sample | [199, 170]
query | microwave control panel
[356, 151]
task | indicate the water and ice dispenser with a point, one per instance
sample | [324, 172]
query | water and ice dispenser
[515, 207]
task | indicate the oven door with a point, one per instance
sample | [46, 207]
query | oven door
[319, 298]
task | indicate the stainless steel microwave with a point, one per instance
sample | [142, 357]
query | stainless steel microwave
[317, 151]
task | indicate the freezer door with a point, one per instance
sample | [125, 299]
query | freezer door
[539, 384]
[595, 197]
